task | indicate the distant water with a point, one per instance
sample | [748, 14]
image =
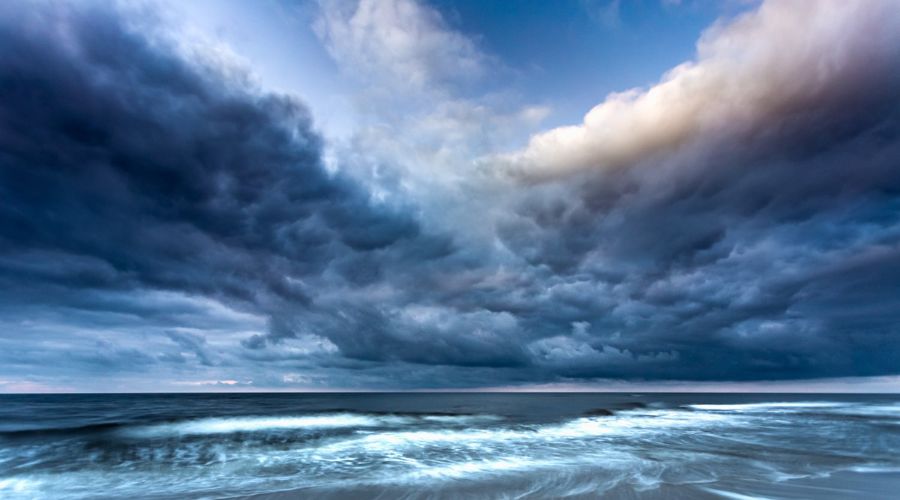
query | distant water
[450, 446]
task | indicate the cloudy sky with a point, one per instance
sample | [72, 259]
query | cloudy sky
[412, 194]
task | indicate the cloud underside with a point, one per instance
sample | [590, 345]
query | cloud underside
[740, 220]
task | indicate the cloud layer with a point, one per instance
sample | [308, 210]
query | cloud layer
[127, 167]
[740, 220]
[740, 214]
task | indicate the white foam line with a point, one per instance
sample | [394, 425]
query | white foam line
[733, 495]
[258, 424]
[578, 429]
[769, 406]
[18, 486]
[469, 468]
[461, 419]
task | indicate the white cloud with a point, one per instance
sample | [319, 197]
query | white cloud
[400, 41]
[426, 107]
[785, 57]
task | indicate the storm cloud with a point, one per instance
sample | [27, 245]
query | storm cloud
[162, 213]
[742, 213]
[128, 166]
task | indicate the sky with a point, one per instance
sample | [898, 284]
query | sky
[358, 195]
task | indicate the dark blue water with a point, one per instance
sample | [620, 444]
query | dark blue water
[448, 445]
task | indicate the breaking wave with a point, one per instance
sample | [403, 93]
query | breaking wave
[262, 424]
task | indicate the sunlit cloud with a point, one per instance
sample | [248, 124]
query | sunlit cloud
[750, 75]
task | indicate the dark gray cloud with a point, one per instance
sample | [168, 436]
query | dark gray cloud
[130, 170]
[125, 166]
[161, 215]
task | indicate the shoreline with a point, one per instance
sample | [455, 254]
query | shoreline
[838, 485]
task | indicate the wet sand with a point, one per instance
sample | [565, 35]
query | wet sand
[840, 485]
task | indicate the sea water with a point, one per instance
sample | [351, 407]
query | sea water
[441, 445]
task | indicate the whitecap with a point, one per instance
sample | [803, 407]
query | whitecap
[480, 467]
[17, 486]
[733, 495]
[263, 424]
[773, 406]
[461, 419]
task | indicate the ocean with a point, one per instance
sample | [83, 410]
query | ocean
[450, 445]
